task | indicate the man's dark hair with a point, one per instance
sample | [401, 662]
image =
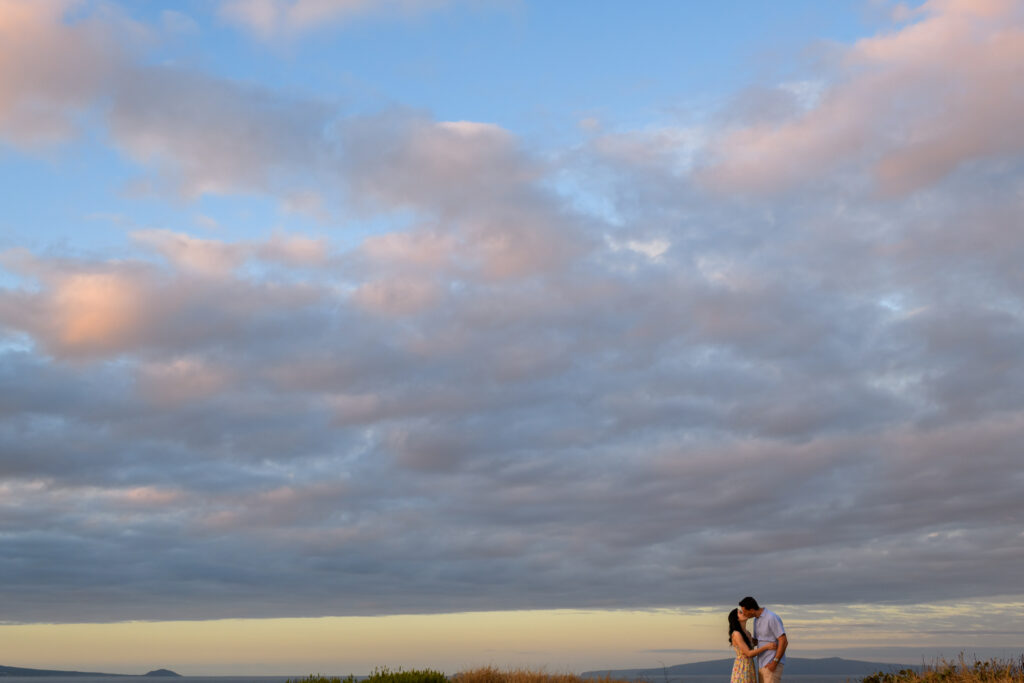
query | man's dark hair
[749, 603]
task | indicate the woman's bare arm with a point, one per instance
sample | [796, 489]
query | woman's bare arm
[737, 640]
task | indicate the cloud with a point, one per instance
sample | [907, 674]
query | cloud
[477, 184]
[181, 380]
[491, 394]
[295, 250]
[603, 436]
[287, 18]
[203, 257]
[201, 134]
[407, 160]
[51, 68]
[912, 105]
[216, 258]
[83, 309]
[397, 297]
[209, 135]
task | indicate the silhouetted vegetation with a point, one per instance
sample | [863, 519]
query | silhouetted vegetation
[481, 675]
[381, 675]
[492, 675]
[960, 671]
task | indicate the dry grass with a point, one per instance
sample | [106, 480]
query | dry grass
[492, 675]
[960, 671]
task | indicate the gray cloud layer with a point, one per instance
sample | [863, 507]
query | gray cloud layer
[813, 393]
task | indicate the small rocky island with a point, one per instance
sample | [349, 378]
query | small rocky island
[166, 673]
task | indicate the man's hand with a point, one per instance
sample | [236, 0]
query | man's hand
[783, 644]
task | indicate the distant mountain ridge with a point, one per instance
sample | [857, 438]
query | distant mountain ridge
[827, 666]
[19, 671]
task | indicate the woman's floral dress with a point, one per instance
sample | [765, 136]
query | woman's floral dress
[743, 669]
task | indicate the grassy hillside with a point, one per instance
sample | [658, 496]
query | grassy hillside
[960, 671]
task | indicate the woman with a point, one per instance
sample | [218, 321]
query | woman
[744, 669]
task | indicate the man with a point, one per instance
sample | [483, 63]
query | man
[767, 628]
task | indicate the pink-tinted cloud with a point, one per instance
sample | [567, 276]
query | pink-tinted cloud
[50, 68]
[145, 497]
[89, 309]
[294, 250]
[422, 249]
[217, 258]
[193, 254]
[912, 105]
[96, 311]
[286, 508]
[395, 296]
[85, 310]
[480, 187]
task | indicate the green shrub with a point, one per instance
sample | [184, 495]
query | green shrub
[319, 678]
[490, 674]
[380, 675]
[386, 675]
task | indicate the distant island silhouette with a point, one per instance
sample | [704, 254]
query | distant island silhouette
[828, 666]
[19, 671]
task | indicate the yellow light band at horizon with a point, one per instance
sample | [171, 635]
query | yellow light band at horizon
[557, 640]
[552, 640]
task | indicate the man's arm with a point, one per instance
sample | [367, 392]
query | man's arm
[781, 650]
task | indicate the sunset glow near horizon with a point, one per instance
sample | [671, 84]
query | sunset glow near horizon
[551, 640]
[337, 334]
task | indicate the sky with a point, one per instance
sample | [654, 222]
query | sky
[338, 334]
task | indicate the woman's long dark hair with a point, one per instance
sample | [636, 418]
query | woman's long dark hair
[734, 625]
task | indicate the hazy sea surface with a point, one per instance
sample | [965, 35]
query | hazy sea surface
[154, 679]
[795, 678]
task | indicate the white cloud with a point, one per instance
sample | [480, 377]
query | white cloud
[200, 256]
[287, 18]
[652, 249]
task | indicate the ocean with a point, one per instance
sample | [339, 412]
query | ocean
[796, 678]
[151, 679]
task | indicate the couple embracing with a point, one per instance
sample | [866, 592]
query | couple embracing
[753, 658]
